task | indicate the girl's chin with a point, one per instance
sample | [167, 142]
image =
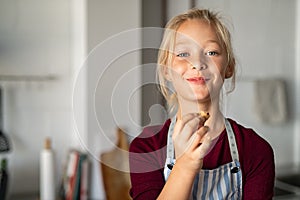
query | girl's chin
[201, 96]
[196, 96]
[199, 99]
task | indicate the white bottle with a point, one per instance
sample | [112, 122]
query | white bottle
[47, 172]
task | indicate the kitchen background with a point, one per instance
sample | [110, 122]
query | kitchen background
[49, 88]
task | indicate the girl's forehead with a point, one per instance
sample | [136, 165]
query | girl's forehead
[190, 24]
[196, 31]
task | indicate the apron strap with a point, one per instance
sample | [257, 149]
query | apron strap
[170, 147]
[232, 143]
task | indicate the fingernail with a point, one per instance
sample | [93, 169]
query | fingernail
[206, 128]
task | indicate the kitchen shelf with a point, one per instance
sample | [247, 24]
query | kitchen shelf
[37, 78]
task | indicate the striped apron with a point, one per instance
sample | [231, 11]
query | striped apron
[224, 182]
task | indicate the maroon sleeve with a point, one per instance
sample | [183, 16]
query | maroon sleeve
[259, 181]
[257, 165]
[147, 158]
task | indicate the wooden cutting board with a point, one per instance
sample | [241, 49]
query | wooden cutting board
[115, 169]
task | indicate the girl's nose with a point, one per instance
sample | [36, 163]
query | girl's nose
[200, 66]
[198, 63]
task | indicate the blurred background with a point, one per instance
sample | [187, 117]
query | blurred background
[55, 83]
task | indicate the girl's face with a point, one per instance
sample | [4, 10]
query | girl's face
[199, 62]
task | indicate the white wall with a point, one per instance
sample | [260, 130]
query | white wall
[113, 79]
[35, 40]
[176, 7]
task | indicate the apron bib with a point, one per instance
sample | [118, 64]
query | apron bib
[224, 182]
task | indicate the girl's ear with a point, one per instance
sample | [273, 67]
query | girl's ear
[230, 69]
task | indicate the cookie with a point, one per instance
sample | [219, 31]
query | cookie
[205, 115]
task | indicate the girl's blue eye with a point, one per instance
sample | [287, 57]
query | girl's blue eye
[183, 55]
[211, 53]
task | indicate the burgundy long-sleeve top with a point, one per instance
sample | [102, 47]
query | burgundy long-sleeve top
[148, 155]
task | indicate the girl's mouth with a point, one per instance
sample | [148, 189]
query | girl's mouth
[197, 80]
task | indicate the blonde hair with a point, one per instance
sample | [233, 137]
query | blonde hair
[168, 44]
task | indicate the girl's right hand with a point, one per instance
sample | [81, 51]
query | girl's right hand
[190, 141]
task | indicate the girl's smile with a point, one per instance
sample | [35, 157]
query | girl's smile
[201, 80]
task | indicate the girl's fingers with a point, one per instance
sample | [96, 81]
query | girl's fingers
[199, 136]
[186, 135]
[180, 124]
[205, 147]
[190, 128]
[202, 131]
[177, 128]
[202, 120]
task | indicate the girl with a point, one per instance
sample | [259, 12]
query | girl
[191, 156]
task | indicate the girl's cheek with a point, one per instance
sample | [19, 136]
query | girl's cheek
[179, 66]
